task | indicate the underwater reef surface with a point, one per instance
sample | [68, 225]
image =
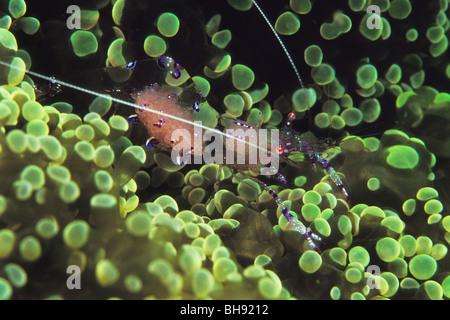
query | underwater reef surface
[87, 211]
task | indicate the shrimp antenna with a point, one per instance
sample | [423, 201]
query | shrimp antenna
[281, 43]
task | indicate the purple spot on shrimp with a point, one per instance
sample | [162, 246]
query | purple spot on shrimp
[178, 66]
[195, 106]
[161, 60]
[151, 142]
[134, 118]
[176, 74]
[131, 65]
[142, 108]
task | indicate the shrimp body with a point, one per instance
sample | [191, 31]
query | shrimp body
[159, 126]
[247, 147]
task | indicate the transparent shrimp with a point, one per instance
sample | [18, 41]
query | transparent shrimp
[183, 101]
[173, 102]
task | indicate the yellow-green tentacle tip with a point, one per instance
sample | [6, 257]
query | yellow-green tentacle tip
[341, 24]
[392, 284]
[106, 273]
[270, 287]
[138, 223]
[7, 241]
[366, 76]
[101, 105]
[388, 249]
[8, 43]
[234, 104]
[394, 73]
[76, 234]
[154, 46]
[310, 261]
[47, 228]
[412, 35]
[323, 74]
[433, 206]
[437, 49]
[337, 122]
[402, 157]
[17, 276]
[33, 110]
[352, 116]
[211, 243]
[313, 55]
[304, 99]
[168, 24]
[221, 38]
[360, 255]
[357, 5]
[310, 212]
[254, 272]
[69, 192]
[202, 283]
[117, 11]
[241, 5]
[6, 290]
[408, 244]
[446, 223]
[300, 6]
[400, 9]
[446, 286]
[34, 175]
[424, 245]
[353, 275]
[409, 206]
[133, 283]
[371, 110]
[312, 197]
[223, 267]
[249, 189]
[242, 77]
[103, 181]
[83, 43]
[287, 23]
[335, 293]
[422, 267]
[435, 34]
[426, 193]
[30, 249]
[17, 8]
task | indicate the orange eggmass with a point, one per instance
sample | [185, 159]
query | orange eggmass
[160, 126]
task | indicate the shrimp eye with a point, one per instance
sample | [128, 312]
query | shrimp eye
[291, 115]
